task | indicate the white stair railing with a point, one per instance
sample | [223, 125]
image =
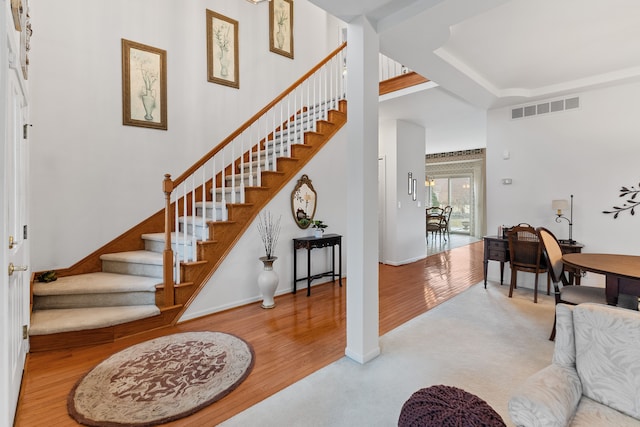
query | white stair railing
[389, 68]
[201, 195]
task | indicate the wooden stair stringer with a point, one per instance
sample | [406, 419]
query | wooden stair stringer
[224, 241]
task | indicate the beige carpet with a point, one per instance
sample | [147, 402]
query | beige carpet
[480, 341]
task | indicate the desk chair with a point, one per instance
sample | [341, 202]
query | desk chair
[523, 253]
[569, 294]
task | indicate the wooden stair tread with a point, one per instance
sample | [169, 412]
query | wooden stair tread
[160, 237]
[141, 256]
[44, 322]
[96, 283]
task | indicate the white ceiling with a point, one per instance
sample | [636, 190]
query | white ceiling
[504, 52]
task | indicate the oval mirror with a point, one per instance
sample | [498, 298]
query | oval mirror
[303, 202]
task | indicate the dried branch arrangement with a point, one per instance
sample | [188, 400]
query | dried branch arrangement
[269, 230]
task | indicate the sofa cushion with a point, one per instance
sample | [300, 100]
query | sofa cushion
[546, 399]
[591, 413]
[607, 343]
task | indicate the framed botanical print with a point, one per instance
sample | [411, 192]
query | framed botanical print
[144, 85]
[281, 27]
[222, 50]
[17, 11]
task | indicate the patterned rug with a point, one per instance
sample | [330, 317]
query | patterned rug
[161, 380]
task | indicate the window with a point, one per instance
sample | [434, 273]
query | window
[457, 192]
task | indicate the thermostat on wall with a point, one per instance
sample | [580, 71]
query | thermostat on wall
[506, 181]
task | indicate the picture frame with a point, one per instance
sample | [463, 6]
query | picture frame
[144, 85]
[22, 24]
[17, 11]
[222, 50]
[281, 27]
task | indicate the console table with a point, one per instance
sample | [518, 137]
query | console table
[496, 248]
[309, 243]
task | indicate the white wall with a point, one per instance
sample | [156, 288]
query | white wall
[459, 133]
[235, 282]
[590, 152]
[402, 148]
[93, 178]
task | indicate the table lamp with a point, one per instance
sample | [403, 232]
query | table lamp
[559, 206]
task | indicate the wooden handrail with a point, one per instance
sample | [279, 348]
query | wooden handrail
[253, 118]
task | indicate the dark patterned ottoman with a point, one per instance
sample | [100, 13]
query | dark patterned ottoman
[444, 406]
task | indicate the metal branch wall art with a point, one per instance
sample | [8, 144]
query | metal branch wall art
[630, 193]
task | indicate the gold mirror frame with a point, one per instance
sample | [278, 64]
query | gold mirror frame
[303, 201]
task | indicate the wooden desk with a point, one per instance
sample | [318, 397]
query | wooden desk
[309, 243]
[496, 248]
[622, 272]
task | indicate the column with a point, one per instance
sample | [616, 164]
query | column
[362, 191]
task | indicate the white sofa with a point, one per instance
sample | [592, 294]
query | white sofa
[594, 378]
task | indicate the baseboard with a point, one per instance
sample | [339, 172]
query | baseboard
[362, 358]
[403, 262]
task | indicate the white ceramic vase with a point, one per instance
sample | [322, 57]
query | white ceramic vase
[268, 282]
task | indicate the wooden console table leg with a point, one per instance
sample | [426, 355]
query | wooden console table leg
[340, 262]
[295, 268]
[308, 271]
[333, 263]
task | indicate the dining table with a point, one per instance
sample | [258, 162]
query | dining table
[622, 272]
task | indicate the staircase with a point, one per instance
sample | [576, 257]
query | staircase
[127, 286]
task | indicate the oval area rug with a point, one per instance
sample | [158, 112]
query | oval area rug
[161, 380]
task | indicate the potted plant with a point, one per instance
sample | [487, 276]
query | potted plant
[318, 227]
[269, 230]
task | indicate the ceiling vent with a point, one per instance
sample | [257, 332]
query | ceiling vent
[546, 107]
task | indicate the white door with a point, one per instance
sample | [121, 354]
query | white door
[14, 294]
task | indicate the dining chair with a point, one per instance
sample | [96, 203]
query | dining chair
[564, 291]
[523, 253]
[447, 218]
[435, 221]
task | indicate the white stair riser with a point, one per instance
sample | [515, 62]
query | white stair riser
[228, 195]
[220, 214]
[241, 178]
[158, 246]
[286, 136]
[135, 269]
[284, 152]
[50, 302]
[201, 233]
[306, 119]
[252, 167]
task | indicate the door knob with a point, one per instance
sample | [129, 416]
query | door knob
[13, 268]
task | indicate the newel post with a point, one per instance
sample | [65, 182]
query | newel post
[167, 254]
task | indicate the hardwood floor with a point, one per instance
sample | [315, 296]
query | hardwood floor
[301, 335]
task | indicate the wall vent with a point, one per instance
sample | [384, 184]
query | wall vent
[545, 107]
